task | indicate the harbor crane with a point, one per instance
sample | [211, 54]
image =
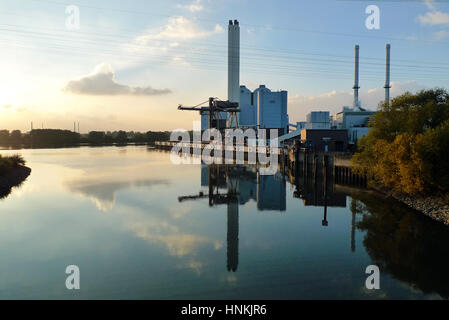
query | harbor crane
[215, 107]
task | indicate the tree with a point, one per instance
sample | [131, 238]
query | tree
[4, 137]
[407, 148]
[96, 137]
[16, 137]
[121, 137]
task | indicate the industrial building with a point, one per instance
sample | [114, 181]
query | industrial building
[325, 140]
[259, 109]
[354, 121]
[266, 109]
[320, 127]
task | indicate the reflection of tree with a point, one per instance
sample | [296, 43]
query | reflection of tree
[409, 246]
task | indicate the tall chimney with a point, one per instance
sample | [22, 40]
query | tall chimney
[356, 78]
[234, 61]
[387, 74]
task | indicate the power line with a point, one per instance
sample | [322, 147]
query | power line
[285, 28]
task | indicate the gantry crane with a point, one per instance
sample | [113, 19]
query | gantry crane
[215, 107]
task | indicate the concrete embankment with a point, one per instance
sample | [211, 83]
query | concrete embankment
[12, 179]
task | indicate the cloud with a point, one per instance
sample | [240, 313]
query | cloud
[440, 35]
[333, 101]
[180, 28]
[195, 6]
[430, 4]
[434, 18]
[7, 106]
[103, 193]
[101, 82]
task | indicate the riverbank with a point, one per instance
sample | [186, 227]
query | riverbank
[13, 178]
[432, 206]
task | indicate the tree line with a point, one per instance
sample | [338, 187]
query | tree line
[58, 137]
[407, 148]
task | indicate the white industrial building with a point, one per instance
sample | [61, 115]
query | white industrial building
[355, 120]
[318, 120]
[263, 109]
[260, 109]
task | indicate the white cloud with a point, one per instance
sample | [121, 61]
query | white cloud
[434, 18]
[195, 6]
[101, 82]
[440, 35]
[179, 28]
[333, 101]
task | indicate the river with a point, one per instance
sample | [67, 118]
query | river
[140, 227]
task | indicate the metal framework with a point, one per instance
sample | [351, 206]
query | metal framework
[215, 107]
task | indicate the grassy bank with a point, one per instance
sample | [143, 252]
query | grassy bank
[8, 163]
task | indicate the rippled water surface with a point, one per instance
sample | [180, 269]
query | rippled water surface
[140, 227]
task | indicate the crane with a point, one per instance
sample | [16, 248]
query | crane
[215, 107]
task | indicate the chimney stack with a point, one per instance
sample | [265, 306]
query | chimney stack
[356, 79]
[234, 61]
[387, 74]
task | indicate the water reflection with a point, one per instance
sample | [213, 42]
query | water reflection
[405, 244]
[233, 185]
[102, 192]
[232, 234]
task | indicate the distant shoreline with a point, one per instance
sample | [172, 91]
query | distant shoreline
[13, 178]
[83, 144]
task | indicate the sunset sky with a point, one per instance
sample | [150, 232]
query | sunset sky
[132, 62]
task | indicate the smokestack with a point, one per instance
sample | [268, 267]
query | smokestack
[234, 61]
[387, 74]
[356, 78]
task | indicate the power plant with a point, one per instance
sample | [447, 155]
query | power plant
[266, 109]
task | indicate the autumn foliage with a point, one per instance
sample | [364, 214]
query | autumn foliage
[407, 148]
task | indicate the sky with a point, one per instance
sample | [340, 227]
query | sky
[128, 64]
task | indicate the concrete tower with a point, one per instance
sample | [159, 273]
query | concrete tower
[234, 61]
[356, 78]
[387, 74]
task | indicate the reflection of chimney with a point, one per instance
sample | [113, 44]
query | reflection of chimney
[353, 232]
[233, 236]
[233, 61]
[356, 78]
[387, 74]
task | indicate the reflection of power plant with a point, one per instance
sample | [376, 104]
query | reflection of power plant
[234, 186]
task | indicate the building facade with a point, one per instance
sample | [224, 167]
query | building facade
[355, 121]
[262, 108]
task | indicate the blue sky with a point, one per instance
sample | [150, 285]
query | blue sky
[152, 55]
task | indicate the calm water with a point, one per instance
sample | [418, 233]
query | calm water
[139, 228]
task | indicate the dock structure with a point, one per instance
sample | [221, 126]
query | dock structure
[299, 160]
